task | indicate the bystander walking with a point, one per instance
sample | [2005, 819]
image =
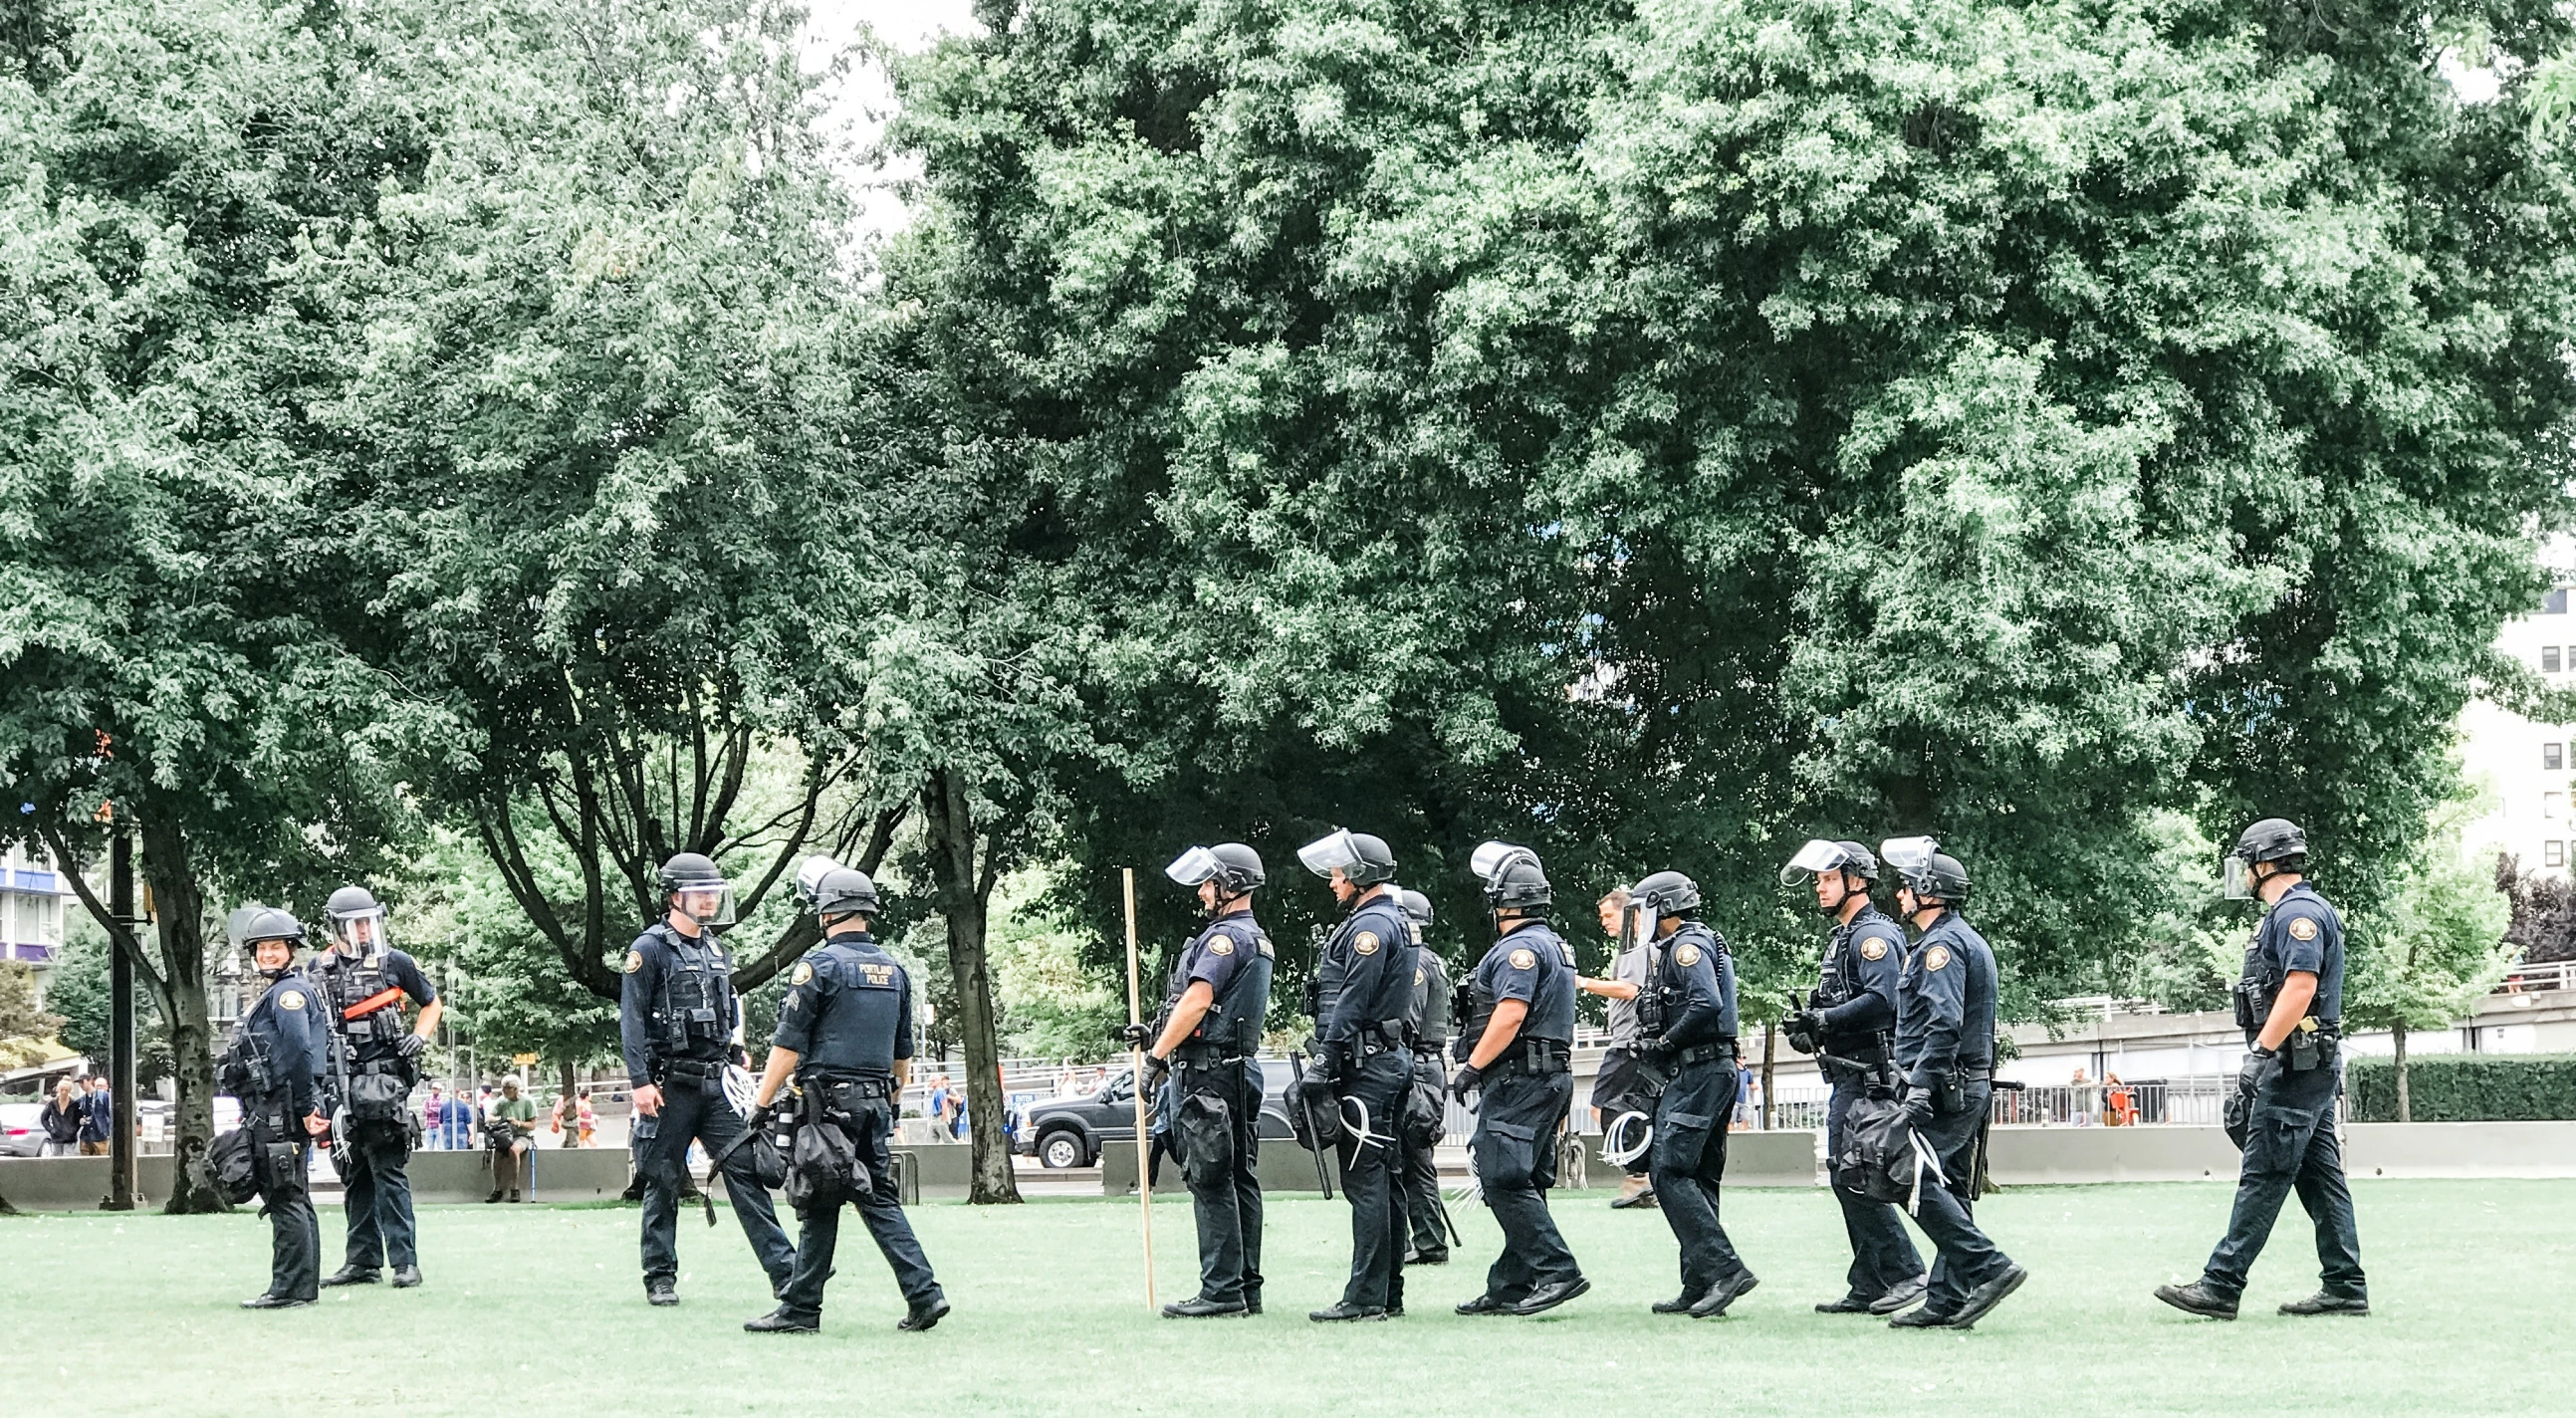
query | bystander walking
[98, 1117]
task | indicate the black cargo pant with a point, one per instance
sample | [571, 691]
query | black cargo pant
[1515, 1153]
[1946, 1211]
[699, 1112]
[880, 1208]
[2290, 1143]
[377, 1199]
[1372, 1169]
[1883, 1256]
[1418, 1190]
[1687, 1163]
[286, 1199]
[1219, 1129]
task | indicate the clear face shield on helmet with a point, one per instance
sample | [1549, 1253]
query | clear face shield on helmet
[1813, 860]
[361, 931]
[809, 877]
[2238, 878]
[1198, 865]
[1332, 852]
[1908, 854]
[709, 903]
[1492, 857]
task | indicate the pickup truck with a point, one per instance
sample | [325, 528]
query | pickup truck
[1070, 1132]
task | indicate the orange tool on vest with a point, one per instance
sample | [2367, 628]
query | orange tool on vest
[374, 1002]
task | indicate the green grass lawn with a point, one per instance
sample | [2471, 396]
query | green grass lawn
[540, 1311]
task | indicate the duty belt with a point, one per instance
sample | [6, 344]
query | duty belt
[867, 1085]
[1702, 1053]
[693, 1070]
[1205, 1051]
[1539, 1056]
[1377, 1037]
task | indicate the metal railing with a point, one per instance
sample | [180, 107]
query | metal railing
[2537, 979]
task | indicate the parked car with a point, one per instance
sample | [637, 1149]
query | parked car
[1070, 1132]
[22, 1130]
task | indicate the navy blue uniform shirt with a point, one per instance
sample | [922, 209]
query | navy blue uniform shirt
[848, 1008]
[1946, 1010]
[1531, 963]
[1698, 979]
[285, 1025]
[1864, 967]
[1365, 973]
[697, 970]
[2301, 932]
[1234, 958]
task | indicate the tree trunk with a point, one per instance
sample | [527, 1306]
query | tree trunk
[963, 892]
[179, 929]
[1770, 1031]
[2405, 1103]
[571, 1083]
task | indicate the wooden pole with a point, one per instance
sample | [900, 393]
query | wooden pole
[1136, 1060]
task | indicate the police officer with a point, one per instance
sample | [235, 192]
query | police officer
[1694, 981]
[677, 1019]
[1849, 1022]
[845, 1033]
[1363, 991]
[1427, 1031]
[1518, 1045]
[2290, 1005]
[274, 1066]
[1211, 1033]
[361, 983]
[1945, 1040]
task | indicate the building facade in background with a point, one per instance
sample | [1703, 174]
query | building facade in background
[2526, 764]
[32, 902]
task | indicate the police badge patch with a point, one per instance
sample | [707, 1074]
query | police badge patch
[1936, 957]
[1220, 946]
[634, 961]
[292, 999]
[1366, 944]
[1873, 950]
[1417, 977]
[1686, 954]
[804, 973]
[2304, 928]
[1524, 960]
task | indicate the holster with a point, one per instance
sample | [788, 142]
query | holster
[1539, 1056]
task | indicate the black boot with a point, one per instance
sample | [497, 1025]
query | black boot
[406, 1276]
[1680, 1304]
[661, 1292]
[778, 1321]
[1345, 1313]
[1200, 1307]
[1487, 1304]
[1985, 1297]
[2197, 1298]
[273, 1302]
[1548, 1297]
[1849, 1304]
[350, 1275]
[2326, 1302]
[1900, 1295]
[925, 1314]
[1724, 1293]
[1918, 1319]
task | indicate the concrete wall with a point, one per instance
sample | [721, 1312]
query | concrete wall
[2046, 1156]
[78, 1183]
[1284, 1167]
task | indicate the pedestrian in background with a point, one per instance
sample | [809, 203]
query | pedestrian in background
[98, 1118]
[62, 1116]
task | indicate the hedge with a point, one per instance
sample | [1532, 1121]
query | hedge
[2465, 1088]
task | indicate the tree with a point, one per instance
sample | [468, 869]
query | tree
[172, 629]
[25, 1026]
[2544, 912]
[2434, 946]
[79, 992]
[1661, 434]
[605, 389]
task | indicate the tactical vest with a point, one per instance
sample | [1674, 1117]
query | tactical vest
[1481, 1000]
[347, 981]
[1233, 1020]
[860, 1014]
[693, 1006]
[1671, 995]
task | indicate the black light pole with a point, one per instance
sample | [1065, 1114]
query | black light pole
[120, 1028]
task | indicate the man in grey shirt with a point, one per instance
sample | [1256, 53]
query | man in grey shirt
[1616, 1088]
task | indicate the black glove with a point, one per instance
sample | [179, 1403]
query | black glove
[1659, 1052]
[1918, 1108]
[1134, 1036]
[1317, 1089]
[1157, 1068]
[1466, 1080]
[410, 1046]
[2257, 1063]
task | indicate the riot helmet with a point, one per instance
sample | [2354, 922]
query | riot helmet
[1924, 869]
[1514, 880]
[1666, 893]
[254, 925]
[1415, 905]
[356, 919]
[2276, 841]
[1363, 860]
[1234, 867]
[1819, 856]
[830, 889]
[692, 885]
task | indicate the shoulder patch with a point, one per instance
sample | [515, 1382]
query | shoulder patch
[634, 961]
[1873, 949]
[1686, 954]
[877, 974]
[1937, 957]
[1365, 943]
[2303, 928]
[292, 999]
[1266, 952]
[804, 973]
[1524, 959]
[1220, 945]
